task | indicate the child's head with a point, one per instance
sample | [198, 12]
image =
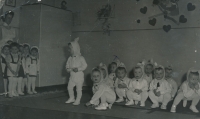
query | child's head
[34, 51]
[149, 69]
[6, 50]
[14, 48]
[96, 75]
[159, 73]
[71, 50]
[168, 72]
[138, 72]
[121, 72]
[193, 77]
[26, 49]
[113, 67]
[21, 48]
[104, 72]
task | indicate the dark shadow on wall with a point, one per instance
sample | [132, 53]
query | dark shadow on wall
[64, 72]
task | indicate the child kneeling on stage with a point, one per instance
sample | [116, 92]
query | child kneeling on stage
[101, 91]
[189, 90]
[160, 90]
[138, 87]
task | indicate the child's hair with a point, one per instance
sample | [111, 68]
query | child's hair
[149, 65]
[194, 73]
[14, 44]
[9, 41]
[158, 69]
[137, 67]
[95, 70]
[113, 63]
[34, 49]
[5, 46]
[120, 68]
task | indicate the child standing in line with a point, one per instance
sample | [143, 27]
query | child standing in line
[13, 62]
[4, 53]
[160, 90]
[121, 82]
[25, 55]
[138, 87]
[189, 90]
[76, 64]
[101, 91]
[32, 69]
[172, 82]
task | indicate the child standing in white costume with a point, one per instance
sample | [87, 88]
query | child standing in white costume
[121, 82]
[160, 90]
[138, 87]
[101, 91]
[189, 90]
[76, 64]
[32, 69]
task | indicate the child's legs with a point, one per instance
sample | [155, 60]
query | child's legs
[5, 85]
[25, 83]
[70, 89]
[22, 85]
[153, 97]
[33, 79]
[15, 79]
[10, 85]
[108, 98]
[144, 96]
[29, 84]
[19, 84]
[129, 95]
[195, 99]
[178, 98]
[120, 93]
[79, 86]
[166, 98]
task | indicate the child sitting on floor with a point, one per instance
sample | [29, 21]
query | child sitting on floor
[138, 87]
[189, 90]
[148, 70]
[113, 67]
[121, 82]
[160, 90]
[170, 80]
[101, 91]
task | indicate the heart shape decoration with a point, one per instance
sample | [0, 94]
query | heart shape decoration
[190, 7]
[182, 19]
[167, 28]
[152, 22]
[143, 10]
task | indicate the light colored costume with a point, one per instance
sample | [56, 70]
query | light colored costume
[121, 92]
[140, 84]
[103, 93]
[161, 86]
[76, 78]
[186, 93]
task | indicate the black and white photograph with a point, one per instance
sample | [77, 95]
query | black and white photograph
[99, 59]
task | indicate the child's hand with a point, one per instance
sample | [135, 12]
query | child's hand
[75, 69]
[88, 104]
[196, 86]
[158, 94]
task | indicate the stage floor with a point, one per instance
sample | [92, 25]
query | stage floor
[52, 106]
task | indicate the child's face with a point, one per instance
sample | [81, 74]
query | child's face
[26, 50]
[34, 53]
[104, 73]
[113, 67]
[21, 49]
[121, 74]
[6, 51]
[14, 50]
[148, 69]
[168, 73]
[159, 74]
[138, 73]
[96, 77]
[193, 78]
[71, 49]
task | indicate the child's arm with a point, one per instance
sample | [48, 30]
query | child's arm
[187, 93]
[175, 88]
[97, 94]
[28, 62]
[38, 66]
[68, 65]
[8, 64]
[131, 86]
[83, 64]
[151, 87]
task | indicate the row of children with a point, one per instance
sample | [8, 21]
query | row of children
[150, 80]
[20, 67]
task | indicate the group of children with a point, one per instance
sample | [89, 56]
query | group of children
[150, 80]
[20, 68]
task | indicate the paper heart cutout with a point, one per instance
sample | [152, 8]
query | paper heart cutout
[143, 10]
[152, 22]
[182, 19]
[167, 28]
[190, 7]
